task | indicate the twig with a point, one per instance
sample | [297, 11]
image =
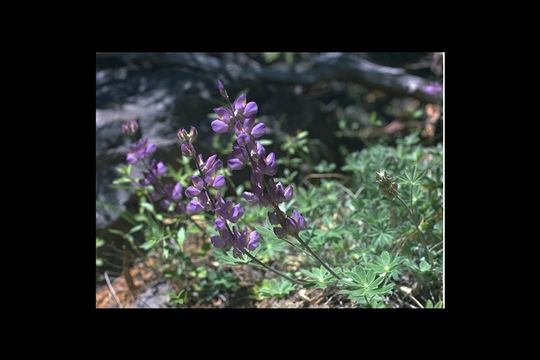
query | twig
[348, 191]
[416, 301]
[111, 290]
[315, 256]
[349, 67]
[144, 303]
[298, 282]
[416, 223]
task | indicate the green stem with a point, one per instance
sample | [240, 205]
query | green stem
[315, 256]
[417, 225]
[272, 269]
[367, 301]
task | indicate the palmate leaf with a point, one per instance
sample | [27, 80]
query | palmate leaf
[270, 243]
[276, 288]
[364, 283]
[381, 234]
[320, 276]
[386, 265]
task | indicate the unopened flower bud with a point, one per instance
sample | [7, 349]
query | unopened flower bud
[386, 184]
[130, 127]
[187, 149]
[222, 90]
[193, 133]
[183, 135]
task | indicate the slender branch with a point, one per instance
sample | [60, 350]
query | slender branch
[272, 269]
[111, 290]
[346, 67]
[315, 256]
[417, 225]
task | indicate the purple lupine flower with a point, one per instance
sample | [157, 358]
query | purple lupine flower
[220, 126]
[246, 131]
[277, 192]
[246, 149]
[219, 182]
[222, 90]
[175, 192]
[273, 217]
[239, 157]
[269, 165]
[229, 210]
[253, 240]
[194, 207]
[192, 191]
[258, 188]
[170, 193]
[258, 130]
[157, 170]
[295, 222]
[250, 197]
[433, 88]
[245, 111]
[165, 204]
[209, 171]
[219, 242]
[209, 164]
[130, 127]
[288, 193]
[260, 151]
[224, 121]
[188, 136]
[243, 239]
[140, 150]
[241, 117]
[224, 240]
[187, 149]
[197, 188]
[164, 193]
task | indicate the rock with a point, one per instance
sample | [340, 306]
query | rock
[155, 297]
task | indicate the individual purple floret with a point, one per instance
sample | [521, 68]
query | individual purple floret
[229, 210]
[221, 89]
[244, 239]
[157, 170]
[140, 150]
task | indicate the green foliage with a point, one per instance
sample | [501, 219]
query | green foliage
[430, 305]
[375, 243]
[366, 286]
[320, 276]
[178, 300]
[227, 257]
[277, 288]
[386, 265]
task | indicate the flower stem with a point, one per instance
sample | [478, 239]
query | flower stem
[417, 225]
[272, 269]
[315, 256]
